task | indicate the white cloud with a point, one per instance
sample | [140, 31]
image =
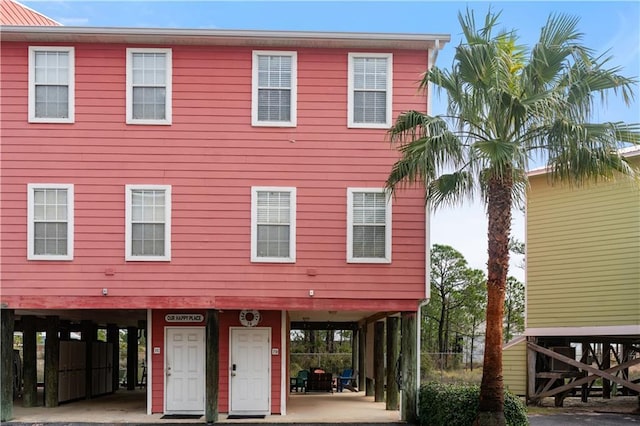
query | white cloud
[73, 22]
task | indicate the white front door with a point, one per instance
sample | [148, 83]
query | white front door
[250, 371]
[184, 369]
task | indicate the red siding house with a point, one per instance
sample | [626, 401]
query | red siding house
[211, 189]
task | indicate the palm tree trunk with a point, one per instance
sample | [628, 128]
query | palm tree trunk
[491, 409]
[441, 330]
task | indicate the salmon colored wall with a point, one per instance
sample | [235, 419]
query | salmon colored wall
[227, 319]
[211, 155]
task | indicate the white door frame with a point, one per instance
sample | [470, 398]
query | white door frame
[164, 368]
[269, 363]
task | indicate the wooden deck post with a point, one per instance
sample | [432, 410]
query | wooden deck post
[378, 361]
[584, 389]
[531, 373]
[65, 332]
[626, 356]
[606, 363]
[29, 362]
[51, 362]
[362, 357]
[88, 336]
[113, 337]
[212, 369]
[354, 350]
[7, 319]
[132, 357]
[409, 367]
[393, 352]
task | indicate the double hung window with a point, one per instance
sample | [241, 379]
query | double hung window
[148, 222]
[274, 91]
[50, 222]
[51, 84]
[273, 224]
[368, 226]
[369, 90]
[149, 86]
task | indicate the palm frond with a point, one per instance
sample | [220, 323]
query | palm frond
[450, 189]
[578, 166]
[587, 151]
[427, 147]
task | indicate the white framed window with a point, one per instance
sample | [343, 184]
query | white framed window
[148, 222]
[149, 74]
[370, 84]
[51, 84]
[368, 225]
[49, 221]
[273, 224]
[274, 88]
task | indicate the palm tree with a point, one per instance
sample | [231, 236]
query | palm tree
[509, 106]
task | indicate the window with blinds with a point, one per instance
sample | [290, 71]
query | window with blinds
[369, 90]
[149, 86]
[148, 222]
[273, 224]
[369, 226]
[50, 218]
[274, 88]
[51, 84]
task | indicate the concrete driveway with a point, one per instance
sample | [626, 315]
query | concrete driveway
[570, 419]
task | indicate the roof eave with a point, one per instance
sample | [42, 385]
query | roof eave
[176, 36]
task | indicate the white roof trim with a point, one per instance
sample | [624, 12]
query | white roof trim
[607, 330]
[224, 37]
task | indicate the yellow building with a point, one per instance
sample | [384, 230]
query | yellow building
[582, 288]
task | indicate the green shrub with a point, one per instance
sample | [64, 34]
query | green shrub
[457, 405]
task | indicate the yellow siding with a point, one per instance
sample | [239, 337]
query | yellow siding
[514, 367]
[583, 254]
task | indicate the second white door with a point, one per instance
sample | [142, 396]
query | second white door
[250, 371]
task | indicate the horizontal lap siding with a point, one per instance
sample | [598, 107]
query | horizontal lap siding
[514, 367]
[583, 255]
[211, 155]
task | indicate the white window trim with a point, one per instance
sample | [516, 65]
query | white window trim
[294, 89]
[168, 87]
[350, 91]
[32, 84]
[31, 223]
[167, 223]
[387, 227]
[254, 225]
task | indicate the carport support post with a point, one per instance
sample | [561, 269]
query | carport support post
[113, 337]
[393, 348]
[89, 334]
[51, 362]
[378, 361]
[362, 354]
[409, 367]
[354, 350]
[7, 318]
[212, 371]
[29, 362]
[132, 357]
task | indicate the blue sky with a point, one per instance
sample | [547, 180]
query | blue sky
[607, 26]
